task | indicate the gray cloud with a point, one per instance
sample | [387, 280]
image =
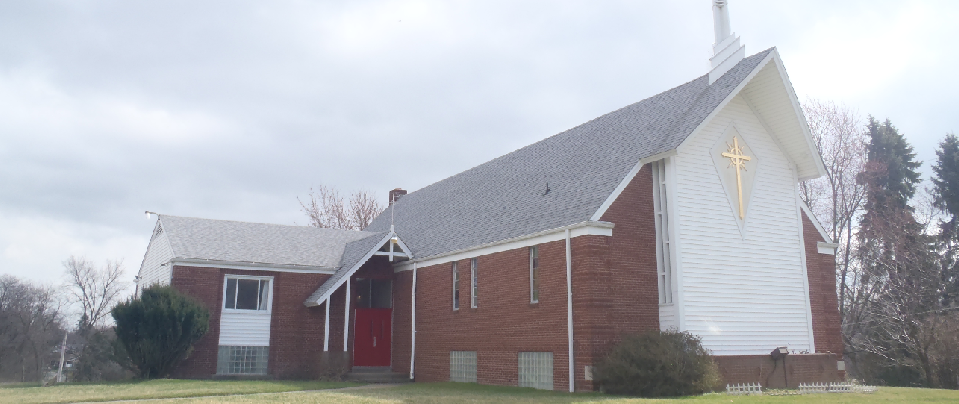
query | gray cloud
[230, 109]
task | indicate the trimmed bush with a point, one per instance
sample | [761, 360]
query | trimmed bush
[658, 364]
[157, 331]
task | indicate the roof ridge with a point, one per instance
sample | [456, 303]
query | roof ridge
[267, 224]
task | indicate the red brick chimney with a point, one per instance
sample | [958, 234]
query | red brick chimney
[396, 194]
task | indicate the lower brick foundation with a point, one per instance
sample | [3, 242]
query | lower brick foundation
[800, 368]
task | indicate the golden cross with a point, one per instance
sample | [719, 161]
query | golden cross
[738, 161]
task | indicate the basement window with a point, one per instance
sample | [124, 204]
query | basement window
[242, 360]
[463, 366]
[536, 370]
[247, 293]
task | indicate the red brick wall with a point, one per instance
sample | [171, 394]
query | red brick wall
[614, 293]
[206, 286]
[296, 331]
[503, 324]
[402, 326]
[821, 270]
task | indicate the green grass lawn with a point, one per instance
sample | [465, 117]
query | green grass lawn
[293, 392]
[472, 393]
[66, 393]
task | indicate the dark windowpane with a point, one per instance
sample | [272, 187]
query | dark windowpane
[247, 291]
[382, 294]
[363, 295]
[230, 301]
[456, 287]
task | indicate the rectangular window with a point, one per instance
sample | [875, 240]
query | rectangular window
[242, 360]
[663, 241]
[536, 370]
[534, 274]
[456, 287]
[474, 302]
[247, 294]
[463, 366]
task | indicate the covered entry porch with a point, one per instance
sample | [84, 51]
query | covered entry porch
[358, 304]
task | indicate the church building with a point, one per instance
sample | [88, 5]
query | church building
[678, 212]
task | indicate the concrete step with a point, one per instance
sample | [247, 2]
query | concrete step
[377, 376]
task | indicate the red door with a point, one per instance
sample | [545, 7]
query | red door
[372, 339]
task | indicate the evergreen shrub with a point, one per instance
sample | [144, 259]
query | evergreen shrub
[658, 364]
[157, 331]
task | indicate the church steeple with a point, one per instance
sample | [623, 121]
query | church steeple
[726, 50]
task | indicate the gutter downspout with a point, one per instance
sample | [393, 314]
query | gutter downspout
[413, 323]
[569, 312]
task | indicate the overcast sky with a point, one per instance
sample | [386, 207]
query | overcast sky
[232, 109]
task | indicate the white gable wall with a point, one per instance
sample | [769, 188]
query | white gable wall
[744, 292]
[152, 270]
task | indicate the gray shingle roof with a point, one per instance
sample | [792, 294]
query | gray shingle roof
[352, 254]
[504, 198]
[226, 240]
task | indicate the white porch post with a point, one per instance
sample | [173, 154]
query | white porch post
[326, 327]
[346, 319]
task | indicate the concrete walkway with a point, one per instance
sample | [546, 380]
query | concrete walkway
[364, 387]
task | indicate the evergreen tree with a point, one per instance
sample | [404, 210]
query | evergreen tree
[946, 193]
[893, 172]
[157, 331]
[946, 179]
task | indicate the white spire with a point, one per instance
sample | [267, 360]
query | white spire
[726, 51]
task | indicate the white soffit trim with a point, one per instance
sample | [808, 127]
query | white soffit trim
[250, 266]
[625, 182]
[815, 221]
[588, 228]
[342, 280]
[729, 97]
[794, 100]
[827, 248]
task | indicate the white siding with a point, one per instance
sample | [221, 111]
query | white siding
[667, 317]
[743, 292]
[152, 270]
[245, 329]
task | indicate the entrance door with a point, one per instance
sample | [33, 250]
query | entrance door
[372, 337]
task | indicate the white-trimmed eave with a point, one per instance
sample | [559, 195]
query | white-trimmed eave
[815, 223]
[803, 124]
[598, 215]
[250, 266]
[589, 227]
[773, 56]
[339, 282]
[150, 243]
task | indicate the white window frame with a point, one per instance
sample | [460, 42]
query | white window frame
[456, 287]
[269, 300]
[533, 265]
[664, 259]
[474, 284]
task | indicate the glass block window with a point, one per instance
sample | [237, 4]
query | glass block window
[463, 366]
[247, 294]
[242, 360]
[536, 370]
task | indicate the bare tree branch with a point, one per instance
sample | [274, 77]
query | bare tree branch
[326, 208]
[95, 290]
